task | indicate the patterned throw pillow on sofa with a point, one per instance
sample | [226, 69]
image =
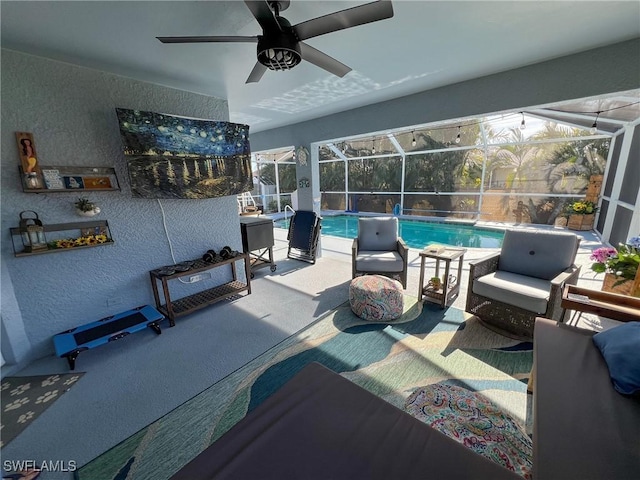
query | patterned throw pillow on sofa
[473, 420]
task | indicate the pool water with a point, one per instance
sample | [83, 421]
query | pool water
[417, 234]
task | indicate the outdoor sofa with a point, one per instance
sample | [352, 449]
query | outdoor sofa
[583, 427]
[320, 425]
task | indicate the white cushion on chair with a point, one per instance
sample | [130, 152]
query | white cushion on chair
[374, 261]
[521, 291]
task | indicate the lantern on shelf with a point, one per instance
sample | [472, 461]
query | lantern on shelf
[32, 232]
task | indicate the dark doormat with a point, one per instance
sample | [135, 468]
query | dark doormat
[25, 398]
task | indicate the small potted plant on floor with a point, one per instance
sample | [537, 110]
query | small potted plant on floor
[581, 215]
[86, 208]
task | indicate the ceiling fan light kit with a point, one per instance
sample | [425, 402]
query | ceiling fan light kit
[279, 52]
[281, 46]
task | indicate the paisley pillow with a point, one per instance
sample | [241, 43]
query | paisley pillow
[473, 420]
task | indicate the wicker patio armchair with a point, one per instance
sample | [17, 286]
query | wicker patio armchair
[509, 289]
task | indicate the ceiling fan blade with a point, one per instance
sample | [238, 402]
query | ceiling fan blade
[263, 14]
[351, 17]
[206, 39]
[323, 60]
[257, 73]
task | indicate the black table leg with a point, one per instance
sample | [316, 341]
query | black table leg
[155, 327]
[71, 358]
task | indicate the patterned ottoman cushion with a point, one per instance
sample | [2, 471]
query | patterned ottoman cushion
[376, 298]
[473, 420]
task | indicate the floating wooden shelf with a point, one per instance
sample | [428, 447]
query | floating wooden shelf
[88, 179]
[98, 227]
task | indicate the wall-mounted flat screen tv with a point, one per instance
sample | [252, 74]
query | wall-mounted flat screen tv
[178, 157]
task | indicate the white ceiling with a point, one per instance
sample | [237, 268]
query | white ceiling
[426, 44]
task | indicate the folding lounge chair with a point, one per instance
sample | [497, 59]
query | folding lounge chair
[304, 231]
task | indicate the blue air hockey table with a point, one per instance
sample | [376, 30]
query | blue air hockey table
[71, 343]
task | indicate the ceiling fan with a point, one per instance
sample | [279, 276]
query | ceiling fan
[281, 45]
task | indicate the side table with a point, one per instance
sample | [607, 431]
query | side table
[450, 285]
[173, 308]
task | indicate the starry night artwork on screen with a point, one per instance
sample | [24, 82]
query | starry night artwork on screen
[178, 157]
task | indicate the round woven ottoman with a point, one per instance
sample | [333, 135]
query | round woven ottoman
[376, 298]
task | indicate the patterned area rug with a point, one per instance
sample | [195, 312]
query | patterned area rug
[25, 398]
[427, 345]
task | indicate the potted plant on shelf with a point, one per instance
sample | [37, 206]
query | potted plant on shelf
[620, 267]
[435, 283]
[581, 215]
[86, 208]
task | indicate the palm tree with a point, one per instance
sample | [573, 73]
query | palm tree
[517, 155]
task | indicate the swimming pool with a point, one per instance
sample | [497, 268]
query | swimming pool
[417, 234]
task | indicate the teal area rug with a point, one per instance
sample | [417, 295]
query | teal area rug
[427, 345]
[25, 398]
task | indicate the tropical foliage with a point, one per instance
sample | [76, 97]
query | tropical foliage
[542, 171]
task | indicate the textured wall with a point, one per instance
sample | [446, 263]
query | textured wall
[71, 113]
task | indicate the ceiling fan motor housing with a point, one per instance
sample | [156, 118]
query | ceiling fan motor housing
[279, 50]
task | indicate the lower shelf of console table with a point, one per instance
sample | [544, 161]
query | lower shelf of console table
[189, 304]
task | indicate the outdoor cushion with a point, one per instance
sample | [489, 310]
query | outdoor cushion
[376, 298]
[620, 347]
[375, 261]
[583, 429]
[521, 291]
[378, 233]
[473, 420]
[537, 253]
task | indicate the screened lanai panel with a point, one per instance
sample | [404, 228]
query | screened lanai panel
[541, 209]
[440, 137]
[333, 201]
[366, 147]
[613, 165]
[373, 202]
[375, 174]
[621, 223]
[559, 167]
[631, 178]
[282, 155]
[509, 129]
[602, 217]
[287, 177]
[444, 171]
[326, 153]
[332, 176]
[440, 205]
